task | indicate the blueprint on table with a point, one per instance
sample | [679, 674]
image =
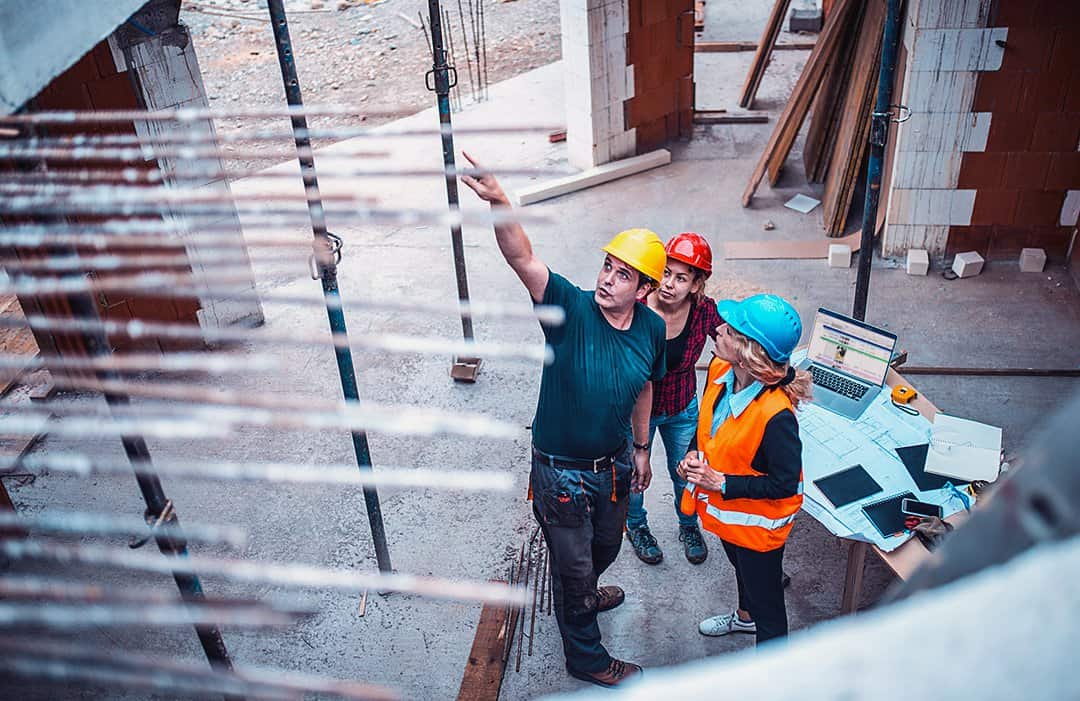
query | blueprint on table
[832, 443]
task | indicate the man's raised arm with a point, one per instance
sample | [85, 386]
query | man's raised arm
[513, 243]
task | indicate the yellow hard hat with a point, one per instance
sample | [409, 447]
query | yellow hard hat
[642, 250]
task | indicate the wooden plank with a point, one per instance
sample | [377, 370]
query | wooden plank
[791, 119]
[826, 109]
[850, 147]
[721, 117]
[787, 250]
[485, 668]
[14, 341]
[726, 47]
[764, 50]
[594, 176]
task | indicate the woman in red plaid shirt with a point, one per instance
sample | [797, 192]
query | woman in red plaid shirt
[690, 317]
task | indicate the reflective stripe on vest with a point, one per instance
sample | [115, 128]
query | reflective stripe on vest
[756, 524]
[738, 518]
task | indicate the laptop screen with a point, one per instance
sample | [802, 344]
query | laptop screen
[851, 347]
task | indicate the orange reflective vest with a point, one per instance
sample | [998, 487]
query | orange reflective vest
[757, 524]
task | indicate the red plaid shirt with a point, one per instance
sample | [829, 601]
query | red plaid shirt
[677, 388]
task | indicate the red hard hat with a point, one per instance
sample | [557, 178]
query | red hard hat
[692, 249]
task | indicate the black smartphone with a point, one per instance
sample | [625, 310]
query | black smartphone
[914, 507]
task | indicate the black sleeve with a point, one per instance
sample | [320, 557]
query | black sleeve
[779, 457]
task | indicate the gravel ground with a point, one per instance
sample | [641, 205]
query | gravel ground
[374, 56]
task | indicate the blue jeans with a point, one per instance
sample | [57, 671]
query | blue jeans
[676, 430]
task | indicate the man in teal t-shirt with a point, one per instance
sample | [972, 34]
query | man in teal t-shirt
[597, 390]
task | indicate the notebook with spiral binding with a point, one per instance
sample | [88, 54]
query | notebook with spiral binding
[886, 516]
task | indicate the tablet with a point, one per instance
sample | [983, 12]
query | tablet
[847, 486]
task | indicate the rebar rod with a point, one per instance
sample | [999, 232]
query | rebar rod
[515, 580]
[222, 420]
[64, 590]
[197, 114]
[67, 662]
[483, 45]
[237, 258]
[474, 24]
[468, 57]
[401, 476]
[268, 221]
[82, 615]
[536, 592]
[549, 315]
[392, 343]
[451, 62]
[263, 572]
[191, 114]
[141, 176]
[521, 610]
[151, 152]
[80, 523]
[294, 409]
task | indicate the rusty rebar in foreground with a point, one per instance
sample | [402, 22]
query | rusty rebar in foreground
[402, 477]
[262, 572]
[66, 662]
[536, 591]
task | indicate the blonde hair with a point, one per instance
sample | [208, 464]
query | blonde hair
[769, 372]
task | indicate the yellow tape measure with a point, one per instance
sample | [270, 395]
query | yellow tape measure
[902, 394]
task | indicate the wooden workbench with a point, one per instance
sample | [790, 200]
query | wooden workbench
[905, 559]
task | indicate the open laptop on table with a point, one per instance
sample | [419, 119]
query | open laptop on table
[849, 360]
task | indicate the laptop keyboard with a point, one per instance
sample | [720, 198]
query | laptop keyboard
[838, 384]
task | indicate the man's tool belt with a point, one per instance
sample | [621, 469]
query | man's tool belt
[597, 465]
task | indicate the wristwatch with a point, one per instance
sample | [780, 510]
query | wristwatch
[641, 446]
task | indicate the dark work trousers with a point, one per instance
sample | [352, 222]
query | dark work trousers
[583, 527]
[760, 577]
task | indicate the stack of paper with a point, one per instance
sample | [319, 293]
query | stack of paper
[964, 450]
[832, 444]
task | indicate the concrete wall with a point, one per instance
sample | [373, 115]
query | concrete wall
[629, 80]
[597, 80]
[988, 160]
[160, 53]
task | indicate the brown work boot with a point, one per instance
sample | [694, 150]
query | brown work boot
[608, 598]
[617, 672]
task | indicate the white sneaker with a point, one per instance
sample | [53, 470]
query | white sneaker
[724, 624]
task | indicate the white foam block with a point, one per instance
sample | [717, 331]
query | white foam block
[594, 176]
[967, 264]
[1032, 260]
[918, 261]
[839, 255]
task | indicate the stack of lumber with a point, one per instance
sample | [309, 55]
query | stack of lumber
[840, 81]
[849, 119]
[763, 52]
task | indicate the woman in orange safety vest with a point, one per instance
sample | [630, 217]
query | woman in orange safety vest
[745, 484]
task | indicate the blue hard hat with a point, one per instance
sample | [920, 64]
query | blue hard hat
[768, 319]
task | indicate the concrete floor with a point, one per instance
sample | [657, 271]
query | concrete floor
[420, 647]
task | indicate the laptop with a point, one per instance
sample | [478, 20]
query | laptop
[848, 360]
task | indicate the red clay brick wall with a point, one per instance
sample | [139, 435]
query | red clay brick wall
[94, 83]
[1031, 156]
[660, 47]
